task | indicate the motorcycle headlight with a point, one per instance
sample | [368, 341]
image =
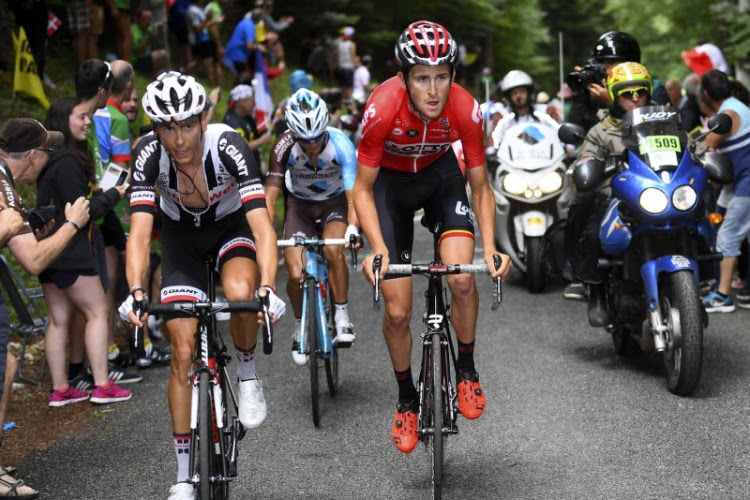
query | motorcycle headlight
[684, 198]
[514, 184]
[551, 182]
[653, 200]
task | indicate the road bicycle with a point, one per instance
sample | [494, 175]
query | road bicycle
[438, 402]
[215, 428]
[316, 332]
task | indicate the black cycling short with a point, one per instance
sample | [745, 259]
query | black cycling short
[64, 278]
[440, 189]
[184, 248]
[301, 214]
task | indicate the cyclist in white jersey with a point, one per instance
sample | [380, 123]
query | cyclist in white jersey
[317, 165]
[211, 202]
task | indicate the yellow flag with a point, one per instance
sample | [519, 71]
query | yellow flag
[25, 77]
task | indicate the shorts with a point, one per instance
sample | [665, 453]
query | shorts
[79, 17]
[112, 232]
[97, 20]
[185, 248]
[344, 76]
[735, 228]
[64, 278]
[439, 189]
[302, 214]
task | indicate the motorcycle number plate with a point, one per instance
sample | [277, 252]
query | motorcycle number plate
[659, 143]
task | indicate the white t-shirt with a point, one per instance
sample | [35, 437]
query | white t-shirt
[361, 81]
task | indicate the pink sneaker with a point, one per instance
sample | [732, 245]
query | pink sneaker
[111, 393]
[66, 397]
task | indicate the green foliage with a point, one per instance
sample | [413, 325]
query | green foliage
[735, 24]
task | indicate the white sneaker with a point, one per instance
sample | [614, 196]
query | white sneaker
[299, 358]
[252, 411]
[344, 333]
[182, 491]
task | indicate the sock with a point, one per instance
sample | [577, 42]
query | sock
[407, 393]
[341, 313]
[74, 369]
[246, 364]
[148, 346]
[182, 450]
[112, 352]
[465, 361]
[722, 295]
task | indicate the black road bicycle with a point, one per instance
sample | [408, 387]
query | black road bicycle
[438, 403]
[215, 428]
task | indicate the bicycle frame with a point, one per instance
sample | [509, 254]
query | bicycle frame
[316, 275]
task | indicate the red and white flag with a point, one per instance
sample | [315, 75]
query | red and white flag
[53, 24]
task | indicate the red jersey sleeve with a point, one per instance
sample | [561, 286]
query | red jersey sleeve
[469, 119]
[377, 119]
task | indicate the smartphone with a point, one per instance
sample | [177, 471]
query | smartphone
[113, 176]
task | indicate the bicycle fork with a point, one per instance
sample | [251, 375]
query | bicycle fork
[325, 346]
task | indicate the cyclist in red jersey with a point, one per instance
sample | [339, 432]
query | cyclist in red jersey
[405, 163]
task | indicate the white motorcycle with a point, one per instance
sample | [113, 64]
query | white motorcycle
[528, 184]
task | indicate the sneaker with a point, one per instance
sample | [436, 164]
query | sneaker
[713, 302]
[575, 290]
[471, 402]
[344, 334]
[123, 360]
[743, 298]
[252, 411]
[707, 285]
[82, 382]
[111, 393]
[154, 326]
[404, 428]
[300, 359]
[738, 284]
[182, 491]
[159, 356]
[120, 376]
[68, 396]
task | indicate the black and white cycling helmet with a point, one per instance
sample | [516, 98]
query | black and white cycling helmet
[425, 43]
[173, 96]
[306, 115]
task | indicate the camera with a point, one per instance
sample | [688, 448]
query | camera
[592, 72]
[40, 216]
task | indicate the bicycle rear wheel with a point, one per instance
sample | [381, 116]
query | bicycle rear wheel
[438, 417]
[205, 438]
[332, 364]
[311, 335]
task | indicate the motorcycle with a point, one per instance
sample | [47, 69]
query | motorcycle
[654, 234]
[528, 183]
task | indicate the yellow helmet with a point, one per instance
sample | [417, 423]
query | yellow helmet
[628, 74]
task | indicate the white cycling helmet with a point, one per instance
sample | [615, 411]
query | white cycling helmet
[173, 96]
[306, 115]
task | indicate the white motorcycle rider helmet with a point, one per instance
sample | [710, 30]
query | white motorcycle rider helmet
[514, 79]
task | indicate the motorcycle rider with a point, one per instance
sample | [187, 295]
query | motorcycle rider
[518, 90]
[629, 86]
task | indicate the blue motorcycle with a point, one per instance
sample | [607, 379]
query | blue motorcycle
[654, 234]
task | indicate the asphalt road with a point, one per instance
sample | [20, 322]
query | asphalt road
[566, 419]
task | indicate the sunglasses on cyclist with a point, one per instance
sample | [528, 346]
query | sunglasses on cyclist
[631, 94]
[314, 140]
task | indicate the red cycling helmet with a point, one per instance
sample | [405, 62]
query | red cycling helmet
[425, 43]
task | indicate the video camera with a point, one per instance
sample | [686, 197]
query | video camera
[592, 72]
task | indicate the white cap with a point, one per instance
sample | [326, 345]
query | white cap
[241, 92]
[347, 31]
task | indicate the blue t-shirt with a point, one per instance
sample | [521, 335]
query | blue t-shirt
[236, 48]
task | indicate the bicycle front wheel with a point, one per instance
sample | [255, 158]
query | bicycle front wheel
[311, 335]
[332, 364]
[205, 437]
[438, 417]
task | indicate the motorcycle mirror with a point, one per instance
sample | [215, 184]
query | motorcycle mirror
[570, 133]
[720, 123]
[588, 174]
[718, 167]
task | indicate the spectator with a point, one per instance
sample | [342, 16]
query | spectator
[266, 7]
[79, 26]
[93, 80]
[149, 59]
[674, 91]
[361, 78]
[215, 12]
[315, 56]
[716, 97]
[121, 14]
[241, 117]
[690, 110]
[203, 47]
[25, 147]
[274, 58]
[110, 123]
[240, 48]
[73, 281]
[177, 23]
[158, 10]
[344, 52]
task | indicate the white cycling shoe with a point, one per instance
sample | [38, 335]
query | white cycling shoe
[299, 358]
[252, 409]
[344, 334]
[182, 491]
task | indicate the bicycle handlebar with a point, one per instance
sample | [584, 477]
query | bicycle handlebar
[322, 242]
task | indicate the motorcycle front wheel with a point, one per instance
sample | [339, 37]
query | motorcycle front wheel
[681, 312]
[535, 276]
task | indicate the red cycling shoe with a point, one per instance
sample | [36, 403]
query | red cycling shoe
[404, 429]
[471, 401]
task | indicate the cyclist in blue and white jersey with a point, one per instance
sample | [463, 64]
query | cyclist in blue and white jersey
[317, 165]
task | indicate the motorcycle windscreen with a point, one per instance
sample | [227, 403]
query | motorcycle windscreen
[530, 146]
[655, 135]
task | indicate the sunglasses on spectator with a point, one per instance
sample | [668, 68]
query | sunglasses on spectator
[631, 94]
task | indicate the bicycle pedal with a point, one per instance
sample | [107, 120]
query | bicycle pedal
[343, 345]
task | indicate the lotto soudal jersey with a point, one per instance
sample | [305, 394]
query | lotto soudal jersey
[230, 171]
[395, 137]
[334, 172]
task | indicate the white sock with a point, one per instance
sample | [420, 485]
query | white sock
[182, 450]
[341, 314]
[246, 364]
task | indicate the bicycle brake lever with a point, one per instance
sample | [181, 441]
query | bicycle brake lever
[377, 262]
[353, 250]
[138, 338]
[268, 334]
[497, 292]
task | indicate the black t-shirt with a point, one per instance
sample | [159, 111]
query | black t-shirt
[246, 127]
